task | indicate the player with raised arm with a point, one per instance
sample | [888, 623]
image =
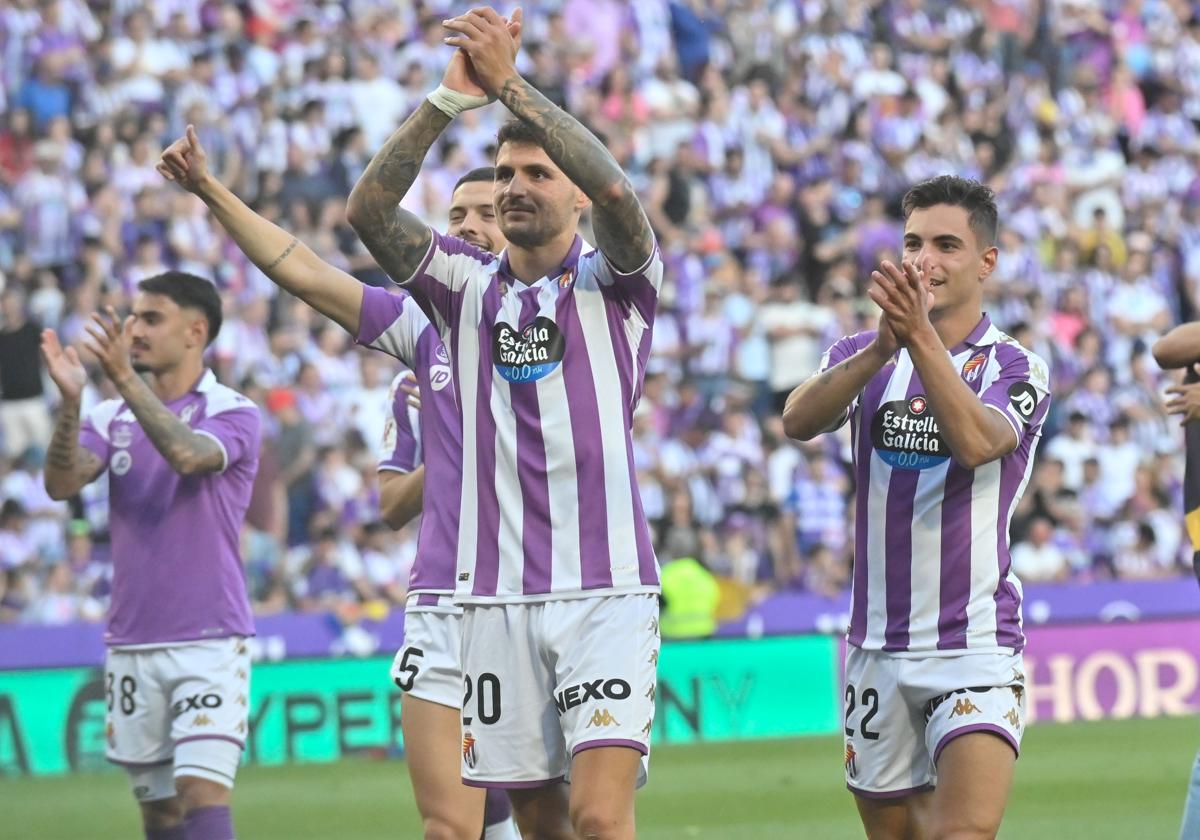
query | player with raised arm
[181, 453]
[427, 666]
[547, 345]
[946, 412]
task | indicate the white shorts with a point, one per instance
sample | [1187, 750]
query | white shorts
[428, 665]
[900, 712]
[544, 681]
[182, 709]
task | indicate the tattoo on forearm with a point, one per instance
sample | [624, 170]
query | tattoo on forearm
[395, 237]
[622, 229]
[174, 439]
[291, 247]
[65, 458]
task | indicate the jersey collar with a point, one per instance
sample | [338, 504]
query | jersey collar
[568, 264]
[983, 334]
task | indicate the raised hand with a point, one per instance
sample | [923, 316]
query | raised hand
[460, 75]
[109, 342]
[64, 366]
[489, 42]
[903, 295]
[185, 162]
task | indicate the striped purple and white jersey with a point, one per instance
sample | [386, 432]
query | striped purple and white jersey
[394, 324]
[548, 376]
[932, 574]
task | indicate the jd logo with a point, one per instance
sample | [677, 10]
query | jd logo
[569, 698]
[1023, 398]
[529, 355]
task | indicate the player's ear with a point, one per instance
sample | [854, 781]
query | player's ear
[197, 331]
[582, 202]
[988, 263]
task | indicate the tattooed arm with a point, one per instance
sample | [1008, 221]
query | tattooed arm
[188, 452]
[69, 466]
[819, 404]
[290, 264]
[623, 232]
[396, 238]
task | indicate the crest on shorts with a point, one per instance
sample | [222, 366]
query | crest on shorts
[851, 765]
[468, 750]
[110, 733]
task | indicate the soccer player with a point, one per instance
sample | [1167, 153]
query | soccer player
[547, 346]
[181, 452]
[427, 666]
[946, 412]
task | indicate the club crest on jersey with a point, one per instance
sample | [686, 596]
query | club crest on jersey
[566, 280]
[906, 435]
[441, 355]
[528, 355]
[974, 367]
[122, 436]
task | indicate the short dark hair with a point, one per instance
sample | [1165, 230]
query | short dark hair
[517, 131]
[977, 199]
[189, 292]
[480, 173]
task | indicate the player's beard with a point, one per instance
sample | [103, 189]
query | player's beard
[536, 229]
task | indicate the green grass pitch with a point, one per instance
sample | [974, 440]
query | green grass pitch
[1093, 781]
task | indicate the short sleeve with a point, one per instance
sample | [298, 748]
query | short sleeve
[390, 323]
[838, 352]
[237, 429]
[637, 289]
[442, 277]
[94, 430]
[1021, 389]
[401, 448]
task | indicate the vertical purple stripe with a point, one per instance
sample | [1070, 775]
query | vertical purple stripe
[869, 402]
[897, 552]
[640, 375]
[647, 562]
[622, 353]
[956, 557]
[487, 560]
[595, 563]
[404, 453]
[536, 542]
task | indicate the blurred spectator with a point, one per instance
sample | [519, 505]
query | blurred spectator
[1037, 559]
[24, 414]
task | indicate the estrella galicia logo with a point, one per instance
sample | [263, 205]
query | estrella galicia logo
[906, 435]
[529, 355]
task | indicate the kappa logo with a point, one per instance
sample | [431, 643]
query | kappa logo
[654, 657]
[528, 355]
[602, 717]
[1013, 718]
[241, 674]
[646, 728]
[187, 413]
[1019, 694]
[650, 692]
[964, 707]
[851, 764]
[202, 720]
[241, 727]
[653, 628]
[974, 367]
[121, 462]
[468, 750]
[240, 700]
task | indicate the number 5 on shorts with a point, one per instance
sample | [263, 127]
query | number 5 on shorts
[870, 702]
[407, 672]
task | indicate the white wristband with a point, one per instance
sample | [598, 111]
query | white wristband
[452, 103]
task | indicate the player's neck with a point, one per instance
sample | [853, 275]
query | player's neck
[530, 265]
[954, 326]
[171, 384]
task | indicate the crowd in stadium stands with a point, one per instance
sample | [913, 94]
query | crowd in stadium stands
[771, 141]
